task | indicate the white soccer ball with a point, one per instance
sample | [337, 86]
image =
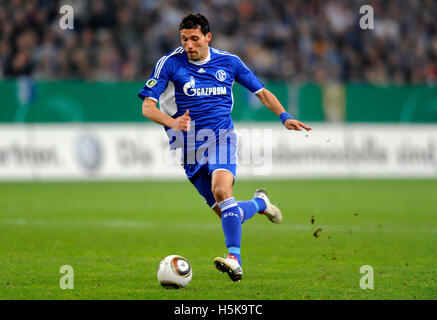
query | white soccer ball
[174, 272]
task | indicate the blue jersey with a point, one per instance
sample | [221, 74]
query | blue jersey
[203, 87]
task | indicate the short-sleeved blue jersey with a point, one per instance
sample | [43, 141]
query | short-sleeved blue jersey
[203, 87]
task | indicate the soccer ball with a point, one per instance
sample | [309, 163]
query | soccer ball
[174, 272]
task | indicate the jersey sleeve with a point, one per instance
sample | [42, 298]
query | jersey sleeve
[158, 81]
[246, 77]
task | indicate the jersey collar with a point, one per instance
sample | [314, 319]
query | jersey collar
[199, 63]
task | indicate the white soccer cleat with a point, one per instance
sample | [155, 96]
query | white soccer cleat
[230, 266]
[272, 212]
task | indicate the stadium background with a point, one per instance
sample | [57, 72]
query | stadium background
[70, 111]
[312, 54]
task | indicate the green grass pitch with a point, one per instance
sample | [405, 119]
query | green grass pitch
[114, 235]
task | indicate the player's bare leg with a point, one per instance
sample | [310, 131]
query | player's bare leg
[221, 185]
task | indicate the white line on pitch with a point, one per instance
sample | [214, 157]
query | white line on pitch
[129, 224]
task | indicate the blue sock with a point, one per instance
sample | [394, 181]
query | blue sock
[262, 206]
[251, 207]
[231, 224]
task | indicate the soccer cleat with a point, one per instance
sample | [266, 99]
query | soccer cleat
[272, 212]
[231, 266]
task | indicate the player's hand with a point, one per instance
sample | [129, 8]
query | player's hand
[292, 124]
[183, 123]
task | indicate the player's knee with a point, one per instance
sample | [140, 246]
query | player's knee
[221, 193]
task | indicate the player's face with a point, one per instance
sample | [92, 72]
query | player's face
[195, 43]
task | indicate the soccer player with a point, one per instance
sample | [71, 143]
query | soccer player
[193, 85]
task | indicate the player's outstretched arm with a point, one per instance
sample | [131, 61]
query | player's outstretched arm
[271, 102]
[151, 112]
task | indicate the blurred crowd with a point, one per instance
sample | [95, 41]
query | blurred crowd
[291, 40]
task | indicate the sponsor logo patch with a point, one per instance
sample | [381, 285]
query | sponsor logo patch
[191, 90]
[151, 83]
[221, 75]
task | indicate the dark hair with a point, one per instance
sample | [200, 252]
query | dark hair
[194, 21]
